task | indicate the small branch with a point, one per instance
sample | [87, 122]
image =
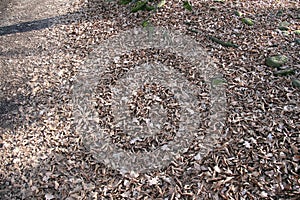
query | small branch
[193, 30]
[223, 43]
[214, 39]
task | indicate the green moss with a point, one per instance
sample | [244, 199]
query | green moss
[285, 33]
[187, 6]
[161, 3]
[223, 43]
[218, 81]
[124, 2]
[145, 23]
[238, 13]
[276, 61]
[284, 26]
[296, 82]
[297, 32]
[149, 8]
[284, 72]
[248, 21]
[140, 5]
[279, 13]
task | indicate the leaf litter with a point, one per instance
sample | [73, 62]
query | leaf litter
[43, 157]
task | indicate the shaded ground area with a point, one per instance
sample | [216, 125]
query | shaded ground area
[27, 26]
[3, 6]
[43, 157]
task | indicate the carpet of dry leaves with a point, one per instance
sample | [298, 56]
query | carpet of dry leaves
[43, 157]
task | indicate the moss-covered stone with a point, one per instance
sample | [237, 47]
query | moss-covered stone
[161, 3]
[187, 6]
[297, 32]
[279, 13]
[145, 23]
[276, 61]
[284, 72]
[284, 26]
[285, 33]
[124, 2]
[149, 8]
[248, 21]
[296, 82]
[238, 13]
[140, 5]
[223, 43]
[218, 81]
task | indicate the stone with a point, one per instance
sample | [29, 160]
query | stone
[297, 32]
[284, 72]
[276, 61]
[238, 13]
[248, 21]
[284, 26]
[296, 83]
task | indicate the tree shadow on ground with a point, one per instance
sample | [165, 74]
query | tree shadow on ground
[16, 111]
[9, 111]
[28, 26]
[96, 8]
[48, 22]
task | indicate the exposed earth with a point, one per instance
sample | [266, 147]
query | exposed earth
[44, 44]
[3, 7]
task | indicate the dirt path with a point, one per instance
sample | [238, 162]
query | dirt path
[29, 10]
[3, 6]
[19, 50]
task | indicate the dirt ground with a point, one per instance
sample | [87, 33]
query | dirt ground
[3, 6]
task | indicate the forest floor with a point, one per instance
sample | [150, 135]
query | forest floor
[44, 47]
